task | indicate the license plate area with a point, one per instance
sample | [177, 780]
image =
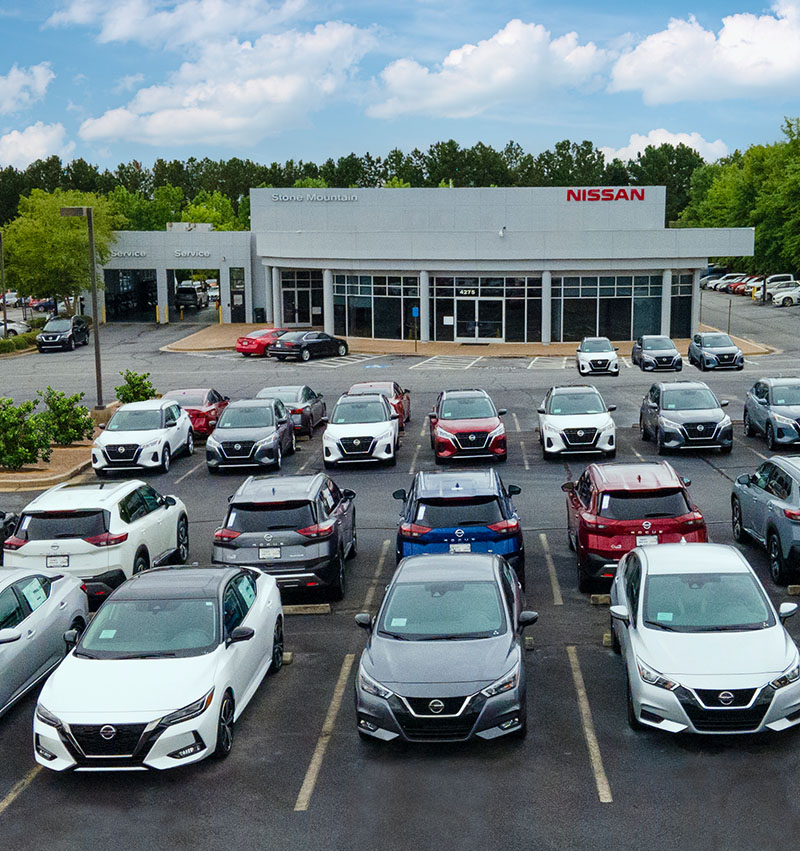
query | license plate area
[646, 540]
[460, 548]
[269, 553]
[57, 561]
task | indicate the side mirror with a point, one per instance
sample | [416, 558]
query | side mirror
[611, 408]
[9, 636]
[540, 410]
[324, 420]
[568, 487]
[724, 403]
[71, 637]
[686, 482]
[170, 500]
[226, 398]
[763, 402]
[745, 479]
[406, 390]
[514, 490]
[101, 426]
[364, 620]
[616, 348]
[399, 494]
[502, 412]
[348, 494]
[431, 415]
[620, 613]
[320, 395]
[785, 611]
[395, 415]
[527, 619]
[240, 633]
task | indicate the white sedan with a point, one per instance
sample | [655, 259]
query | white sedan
[162, 673]
[704, 649]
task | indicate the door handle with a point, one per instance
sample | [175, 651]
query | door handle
[30, 633]
[62, 604]
[771, 506]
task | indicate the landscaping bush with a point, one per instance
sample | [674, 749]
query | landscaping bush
[24, 437]
[20, 341]
[66, 420]
[38, 322]
[137, 387]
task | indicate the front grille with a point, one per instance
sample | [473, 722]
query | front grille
[420, 705]
[666, 361]
[123, 743]
[580, 436]
[50, 339]
[598, 364]
[700, 431]
[438, 729]
[725, 720]
[122, 451]
[356, 445]
[710, 697]
[726, 358]
[472, 439]
[238, 449]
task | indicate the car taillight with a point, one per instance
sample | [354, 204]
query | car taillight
[13, 543]
[696, 519]
[318, 530]
[592, 522]
[412, 530]
[225, 535]
[507, 526]
[297, 410]
[792, 514]
[106, 539]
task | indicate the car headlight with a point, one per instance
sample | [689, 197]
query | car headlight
[446, 435]
[151, 443]
[370, 686]
[46, 716]
[386, 435]
[609, 426]
[653, 678]
[190, 711]
[210, 441]
[670, 423]
[496, 432]
[505, 683]
[726, 421]
[648, 358]
[550, 427]
[790, 675]
[265, 441]
[779, 418]
[709, 356]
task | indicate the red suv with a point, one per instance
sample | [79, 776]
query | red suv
[466, 424]
[613, 508]
[204, 407]
[399, 398]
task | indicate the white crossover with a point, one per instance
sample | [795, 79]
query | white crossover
[596, 355]
[163, 671]
[361, 428]
[574, 418]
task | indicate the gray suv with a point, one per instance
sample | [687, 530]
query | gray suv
[772, 408]
[299, 529]
[714, 350]
[765, 506]
[188, 294]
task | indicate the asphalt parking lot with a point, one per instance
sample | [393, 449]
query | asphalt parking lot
[300, 777]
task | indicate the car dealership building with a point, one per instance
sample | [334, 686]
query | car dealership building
[514, 265]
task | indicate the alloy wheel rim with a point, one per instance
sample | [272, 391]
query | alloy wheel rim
[774, 565]
[183, 540]
[277, 648]
[737, 520]
[190, 443]
[166, 459]
[226, 725]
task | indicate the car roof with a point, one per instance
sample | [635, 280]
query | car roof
[251, 403]
[457, 483]
[657, 337]
[780, 382]
[361, 396]
[586, 339]
[146, 405]
[443, 567]
[179, 583]
[792, 462]
[278, 488]
[475, 391]
[666, 559]
[362, 386]
[573, 388]
[71, 497]
[646, 475]
[176, 394]
[685, 384]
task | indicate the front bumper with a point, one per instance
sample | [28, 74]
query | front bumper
[447, 448]
[260, 456]
[785, 434]
[720, 439]
[711, 362]
[589, 367]
[656, 365]
[149, 458]
[557, 442]
[378, 450]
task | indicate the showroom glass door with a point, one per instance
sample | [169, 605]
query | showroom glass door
[297, 308]
[479, 320]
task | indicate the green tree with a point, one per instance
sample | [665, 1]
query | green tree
[211, 207]
[310, 183]
[667, 165]
[394, 182]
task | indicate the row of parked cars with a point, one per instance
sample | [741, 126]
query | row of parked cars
[781, 290]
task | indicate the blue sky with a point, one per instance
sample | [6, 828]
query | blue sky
[140, 79]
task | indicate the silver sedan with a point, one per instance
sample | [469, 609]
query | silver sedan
[36, 608]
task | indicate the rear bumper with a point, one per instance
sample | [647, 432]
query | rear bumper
[99, 587]
[311, 573]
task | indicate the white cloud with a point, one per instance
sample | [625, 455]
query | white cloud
[517, 62]
[749, 56]
[128, 82]
[709, 151]
[237, 93]
[175, 24]
[24, 86]
[20, 148]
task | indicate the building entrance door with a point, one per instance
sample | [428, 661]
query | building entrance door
[297, 308]
[479, 320]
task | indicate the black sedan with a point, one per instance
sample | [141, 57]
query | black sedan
[305, 345]
[63, 334]
[304, 405]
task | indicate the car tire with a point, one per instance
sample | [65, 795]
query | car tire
[725, 450]
[612, 453]
[786, 302]
[166, 457]
[309, 432]
[570, 542]
[392, 462]
[778, 569]
[337, 587]
[437, 459]
[278, 463]
[585, 583]
[305, 355]
[615, 645]
[770, 433]
[100, 472]
[224, 743]
[643, 430]
[277, 648]
[633, 722]
[86, 341]
[182, 541]
[293, 445]
[353, 551]
[140, 563]
[329, 465]
[662, 450]
[281, 358]
[12, 333]
[342, 350]
[246, 354]
[747, 425]
[739, 534]
[213, 471]
[189, 448]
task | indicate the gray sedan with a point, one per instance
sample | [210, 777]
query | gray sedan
[443, 660]
[36, 609]
[772, 408]
[305, 407]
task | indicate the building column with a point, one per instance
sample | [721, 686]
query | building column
[277, 304]
[696, 296]
[162, 296]
[327, 301]
[547, 300]
[424, 307]
[666, 301]
[268, 308]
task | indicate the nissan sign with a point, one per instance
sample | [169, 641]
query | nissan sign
[630, 194]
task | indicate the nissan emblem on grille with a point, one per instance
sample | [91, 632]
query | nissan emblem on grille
[700, 428]
[121, 450]
[237, 446]
[356, 442]
[725, 698]
[108, 732]
[436, 706]
[268, 537]
[580, 432]
[472, 437]
[459, 533]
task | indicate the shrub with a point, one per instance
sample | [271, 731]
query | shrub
[38, 322]
[66, 420]
[20, 341]
[137, 387]
[24, 437]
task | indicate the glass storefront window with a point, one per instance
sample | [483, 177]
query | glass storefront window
[359, 316]
[614, 318]
[131, 295]
[388, 318]
[572, 287]
[515, 321]
[394, 285]
[580, 318]
[339, 316]
[410, 322]
[680, 323]
[646, 316]
[533, 329]
[624, 284]
[444, 318]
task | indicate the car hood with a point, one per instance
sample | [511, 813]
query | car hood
[106, 437]
[764, 651]
[81, 688]
[722, 350]
[356, 429]
[410, 666]
[597, 355]
[791, 411]
[239, 434]
[699, 415]
[560, 421]
[482, 424]
[659, 353]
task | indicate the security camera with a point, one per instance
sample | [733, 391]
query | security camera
[502, 232]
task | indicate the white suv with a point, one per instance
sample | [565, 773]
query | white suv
[576, 419]
[596, 355]
[143, 434]
[101, 533]
[361, 428]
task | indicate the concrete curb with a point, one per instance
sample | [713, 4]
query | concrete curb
[44, 482]
[19, 354]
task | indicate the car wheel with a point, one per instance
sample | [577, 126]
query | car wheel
[739, 535]
[309, 431]
[612, 453]
[329, 465]
[281, 358]
[86, 340]
[748, 426]
[342, 350]
[277, 648]
[293, 444]
[213, 471]
[190, 443]
[771, 445]
[182, 541]
[570, 542]
[633, 722]
[584, 581]
[725, 450]
[305, 355]
[71, 344]
[786, 302]
[141, 562]
[247, 354]
[777, 564]
[338, 587]
[225, 727]
[12, 333]
[643, 431]
[392, 462]
[662, 450]
[278, 457]
[165, 459]
[353, 551]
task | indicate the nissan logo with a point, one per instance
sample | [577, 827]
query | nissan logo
[700, 428]
[356, 442]
[580, 432]
[725, 698]
[121, 450]
[647, 524]
[237, 446]
[459, 533]
[267, 537]
[108, 732]
[472, 437]
[436, 706]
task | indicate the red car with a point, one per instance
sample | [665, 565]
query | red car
[257, 342]
[204, 407]
[613, 508]
[399, 399]
[466, 424]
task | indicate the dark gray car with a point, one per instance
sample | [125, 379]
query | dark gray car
[444, 660]
[251, 433]
[652, 353]
[305, 407]
[714, 350]
[772, 408]
[299, 529]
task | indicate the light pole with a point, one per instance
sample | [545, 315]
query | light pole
[3, 287]
[87, 212]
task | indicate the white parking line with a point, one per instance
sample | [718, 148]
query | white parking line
[558, 600]
[310, 780]
[18, 788]
[412, 469]
[346, 360]
[446, 362]
[186, 475]
[524, 455]
[423, 431]
[306, 462]
[626, 362]
[748, 446]
[637, 453]
[516, 421]
[596, 760]
[376, 576]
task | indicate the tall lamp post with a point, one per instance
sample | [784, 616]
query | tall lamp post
[87, 213]
[3, 287]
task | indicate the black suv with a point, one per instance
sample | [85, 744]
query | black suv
[299, 529]
[191, 295]
[685, 415]
[63, 334]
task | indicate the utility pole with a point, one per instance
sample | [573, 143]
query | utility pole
[3, 287]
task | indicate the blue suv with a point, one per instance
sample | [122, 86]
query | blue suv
[461, 512]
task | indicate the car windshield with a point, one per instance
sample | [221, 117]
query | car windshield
[655, 344]
[460, 511]
[717, 341]
[151, 628]
[467, 408]
[52, 525]
[133, 420]
[58, 325]
[597, 346]
[293, 335]
[640, 505]
[689, 399]
[259, 416]
[254, 335]
[358, 412]
[706, 602]
[188, 398]
[567, 404]
[261, 516]
[365, 389]
[786, 394]
[419, 611]
[285, 394]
